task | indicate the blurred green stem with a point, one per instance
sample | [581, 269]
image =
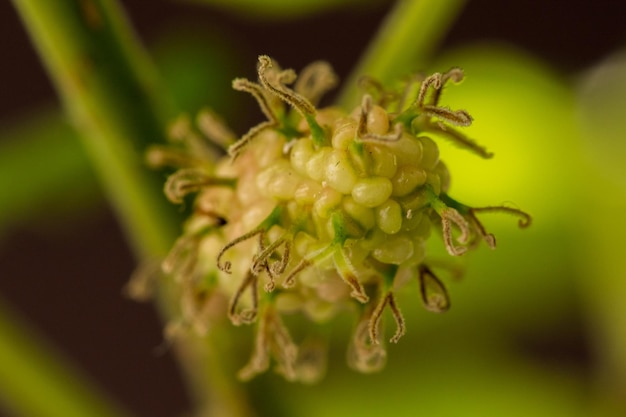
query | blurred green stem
[114, 97]
[30, 369]
[112, 94]
[404, 43]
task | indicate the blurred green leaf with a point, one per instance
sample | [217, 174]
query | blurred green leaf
[525, 114]
[197, 68]
[43, 169]
[600, 243]
[445, 381]
[38, 381]
[283, 9]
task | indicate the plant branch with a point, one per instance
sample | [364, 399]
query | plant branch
[113, 96]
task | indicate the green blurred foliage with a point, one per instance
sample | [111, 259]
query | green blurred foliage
[283, 9]
[566, 274]
[44, 171]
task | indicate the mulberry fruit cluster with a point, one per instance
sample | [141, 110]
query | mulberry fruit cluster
[317, 212]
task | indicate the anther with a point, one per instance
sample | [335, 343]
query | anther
[315, 80]
[226, 266]
[449, 216]
[434, 295]
[244, 316]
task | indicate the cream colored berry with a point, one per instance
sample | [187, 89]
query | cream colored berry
[372, 192]
[344, 133]
[407, 179]
[283, 185]
[389, 217]
[327, 200]
[307, 192]
[316, 165]
[301, 152]
[377, 121]
[363, 215]
[408, 150]
[430, 153]
[396, 250]
[383, 159]
[339, 173]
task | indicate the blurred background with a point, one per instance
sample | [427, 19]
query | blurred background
[537, 327]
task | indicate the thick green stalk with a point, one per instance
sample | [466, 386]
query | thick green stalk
[112, 95]
[111, 91]
[403, 44]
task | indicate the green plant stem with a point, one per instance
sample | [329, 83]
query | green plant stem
[31, 368]
[404, 43]
[112, 93]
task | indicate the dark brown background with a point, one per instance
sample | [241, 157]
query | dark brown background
[67, 280]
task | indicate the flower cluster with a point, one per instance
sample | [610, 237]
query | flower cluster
[317, 212]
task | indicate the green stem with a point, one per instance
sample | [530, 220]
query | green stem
[114, 97]
[404, 43]
[36, 381]
[111, 93]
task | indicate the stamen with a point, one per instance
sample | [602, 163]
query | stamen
[411, 89]
[241, 84]
[398, 317]
[459, 138]
[260, 360]
[183, 182]
[142, 282]
[489, 238]
[435, 81]
[315, 80]
[374, 322]
[434, 295]
[191, 180]
[525, 218]
[390, 137]
[455, 74]
[261, 259]
[348, 273]
[301, 104]
[280, 266]
[290, 280]
[182, 258]
[179, 129]
[234, 150]
[273, 338]
[214, 128]
[226, 266]
[275, 84]
[277, 268]
[159, 156]
[364, 135]
[449, 216]
[311, 363]
[271, 284]
[190, 306]
[454, 117]
[244, 316]
[364, 356]
[285, 351]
